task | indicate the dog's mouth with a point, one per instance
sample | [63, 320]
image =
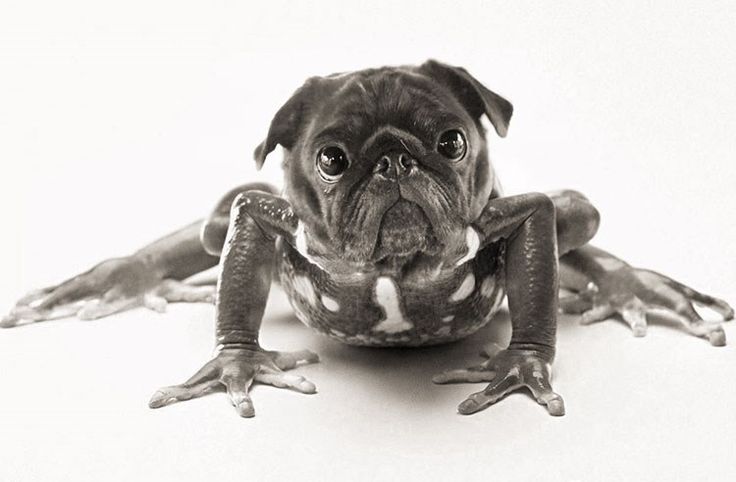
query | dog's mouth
[404, 230]
[383, 220]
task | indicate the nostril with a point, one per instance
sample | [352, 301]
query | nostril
[406, 162]
[383, 164]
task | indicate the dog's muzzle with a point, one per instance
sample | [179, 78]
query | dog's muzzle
[395, 165]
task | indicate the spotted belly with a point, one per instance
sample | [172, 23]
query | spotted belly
[378, 310]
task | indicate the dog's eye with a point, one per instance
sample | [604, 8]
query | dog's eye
[452, 145]
[331, 163]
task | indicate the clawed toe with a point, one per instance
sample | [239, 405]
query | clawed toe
[717, 337]
[713, 332]
[555, 406]
[8, 321]
[464, 375]
[286, 360]
[286, 380]
[160, 399]
[469, 406]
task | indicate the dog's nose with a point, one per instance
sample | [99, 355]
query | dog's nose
[395, 165]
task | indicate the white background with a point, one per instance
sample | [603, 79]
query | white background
[120, 122]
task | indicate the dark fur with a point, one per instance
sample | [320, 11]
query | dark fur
[366, 218]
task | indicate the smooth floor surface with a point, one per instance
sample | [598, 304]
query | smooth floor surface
[75, 393]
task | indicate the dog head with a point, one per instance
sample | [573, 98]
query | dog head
[387, 162]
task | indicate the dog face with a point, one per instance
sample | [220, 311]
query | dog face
[390, 162]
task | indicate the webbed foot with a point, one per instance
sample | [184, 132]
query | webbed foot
[507, 371]
[235, 369]
[633, 293]
[110, 287]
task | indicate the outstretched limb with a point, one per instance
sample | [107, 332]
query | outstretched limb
[256, 220]
[152, 277]
[604, 286]
[526, 223]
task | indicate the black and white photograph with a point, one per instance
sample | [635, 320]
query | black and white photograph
[367, 241]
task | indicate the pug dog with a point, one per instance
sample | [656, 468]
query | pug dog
[391, 230]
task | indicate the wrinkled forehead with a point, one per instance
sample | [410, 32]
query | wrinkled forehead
[397, 98]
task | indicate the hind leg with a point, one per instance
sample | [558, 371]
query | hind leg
[605, 286]
[152, 277]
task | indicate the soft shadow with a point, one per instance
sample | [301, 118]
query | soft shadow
[405, 374]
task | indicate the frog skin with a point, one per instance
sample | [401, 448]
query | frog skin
[391, 230]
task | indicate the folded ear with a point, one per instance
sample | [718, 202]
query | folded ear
[287, 122]
[476, 98]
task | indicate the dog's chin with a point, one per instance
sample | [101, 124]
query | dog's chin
[404, 231]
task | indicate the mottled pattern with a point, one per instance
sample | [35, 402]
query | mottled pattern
[374, 309]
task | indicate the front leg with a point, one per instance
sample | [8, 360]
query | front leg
[527, 225]
[256, 219]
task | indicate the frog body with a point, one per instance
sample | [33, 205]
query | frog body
[384, 309]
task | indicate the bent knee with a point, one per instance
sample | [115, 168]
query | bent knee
[225, 203]
[542, 203]
[214, 229]
[584, 214]
[568, 194]
[577, 219]
[592, 220]
[213, 234]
